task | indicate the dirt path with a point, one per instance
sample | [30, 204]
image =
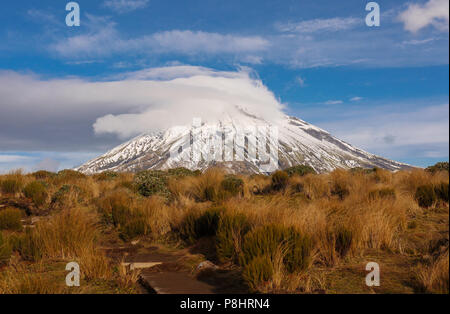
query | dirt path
[177, 272]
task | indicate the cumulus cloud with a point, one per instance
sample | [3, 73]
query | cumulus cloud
[434, 13]
[125, 6]
[356, 98]
[64, 113]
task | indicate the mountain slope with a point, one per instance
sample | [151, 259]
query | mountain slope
[298, 143]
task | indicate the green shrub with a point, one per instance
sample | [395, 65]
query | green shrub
[5, 249]
[258, 272]
[105, 176]
[10, 219]
[425, 195]
[10, 186]
[279, 180]
[69, 174]
[441, 190]
[229, 236]
[232, 186]
[266, 240]
[43, 174]
[440, 166]
[182, 172]
[62, 196]
[37, 192]
[300, 170]
[387, 193]
[196, 225]
[363, 170]
[151, 182]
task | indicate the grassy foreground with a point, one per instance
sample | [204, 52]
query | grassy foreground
[291, 232]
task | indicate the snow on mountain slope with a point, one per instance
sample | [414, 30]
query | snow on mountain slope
[298, 143]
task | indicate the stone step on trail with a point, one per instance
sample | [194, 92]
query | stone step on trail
[164, 273]
[175, 283]
[142, 265]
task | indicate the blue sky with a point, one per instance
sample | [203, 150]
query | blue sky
[384, 89]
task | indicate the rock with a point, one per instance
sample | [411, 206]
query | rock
[140, 265]
[206, 265]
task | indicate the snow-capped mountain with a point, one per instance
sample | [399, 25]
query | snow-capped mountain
[187, 146]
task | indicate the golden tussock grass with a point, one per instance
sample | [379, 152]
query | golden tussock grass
[344, 213]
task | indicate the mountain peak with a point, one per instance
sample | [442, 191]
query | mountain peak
[242, 143]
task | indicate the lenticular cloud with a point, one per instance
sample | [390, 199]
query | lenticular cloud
[174, 95]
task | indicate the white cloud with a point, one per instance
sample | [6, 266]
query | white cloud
[320, 25]
[333, 102]
[13, 158]
[356, 98]
[417, 41]
[308, 44]
[106, 41]
[142, 101]
[43, 16]
[301, 81]
[124, 6]
[434, 13]
[396, 130]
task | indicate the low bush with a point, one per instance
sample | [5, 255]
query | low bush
[197, 225]
[43, 174]
[10, 219]
[67, 196]
[279, 180]
[425, 195]
[441, 190]
[440, 166]
[183, 172]
[69, 174]
[152, 182]
[105, 176]
[230, 232]
[232, 186]
[258, 272]
[300, 170]
[264, 241]
[37, 192]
